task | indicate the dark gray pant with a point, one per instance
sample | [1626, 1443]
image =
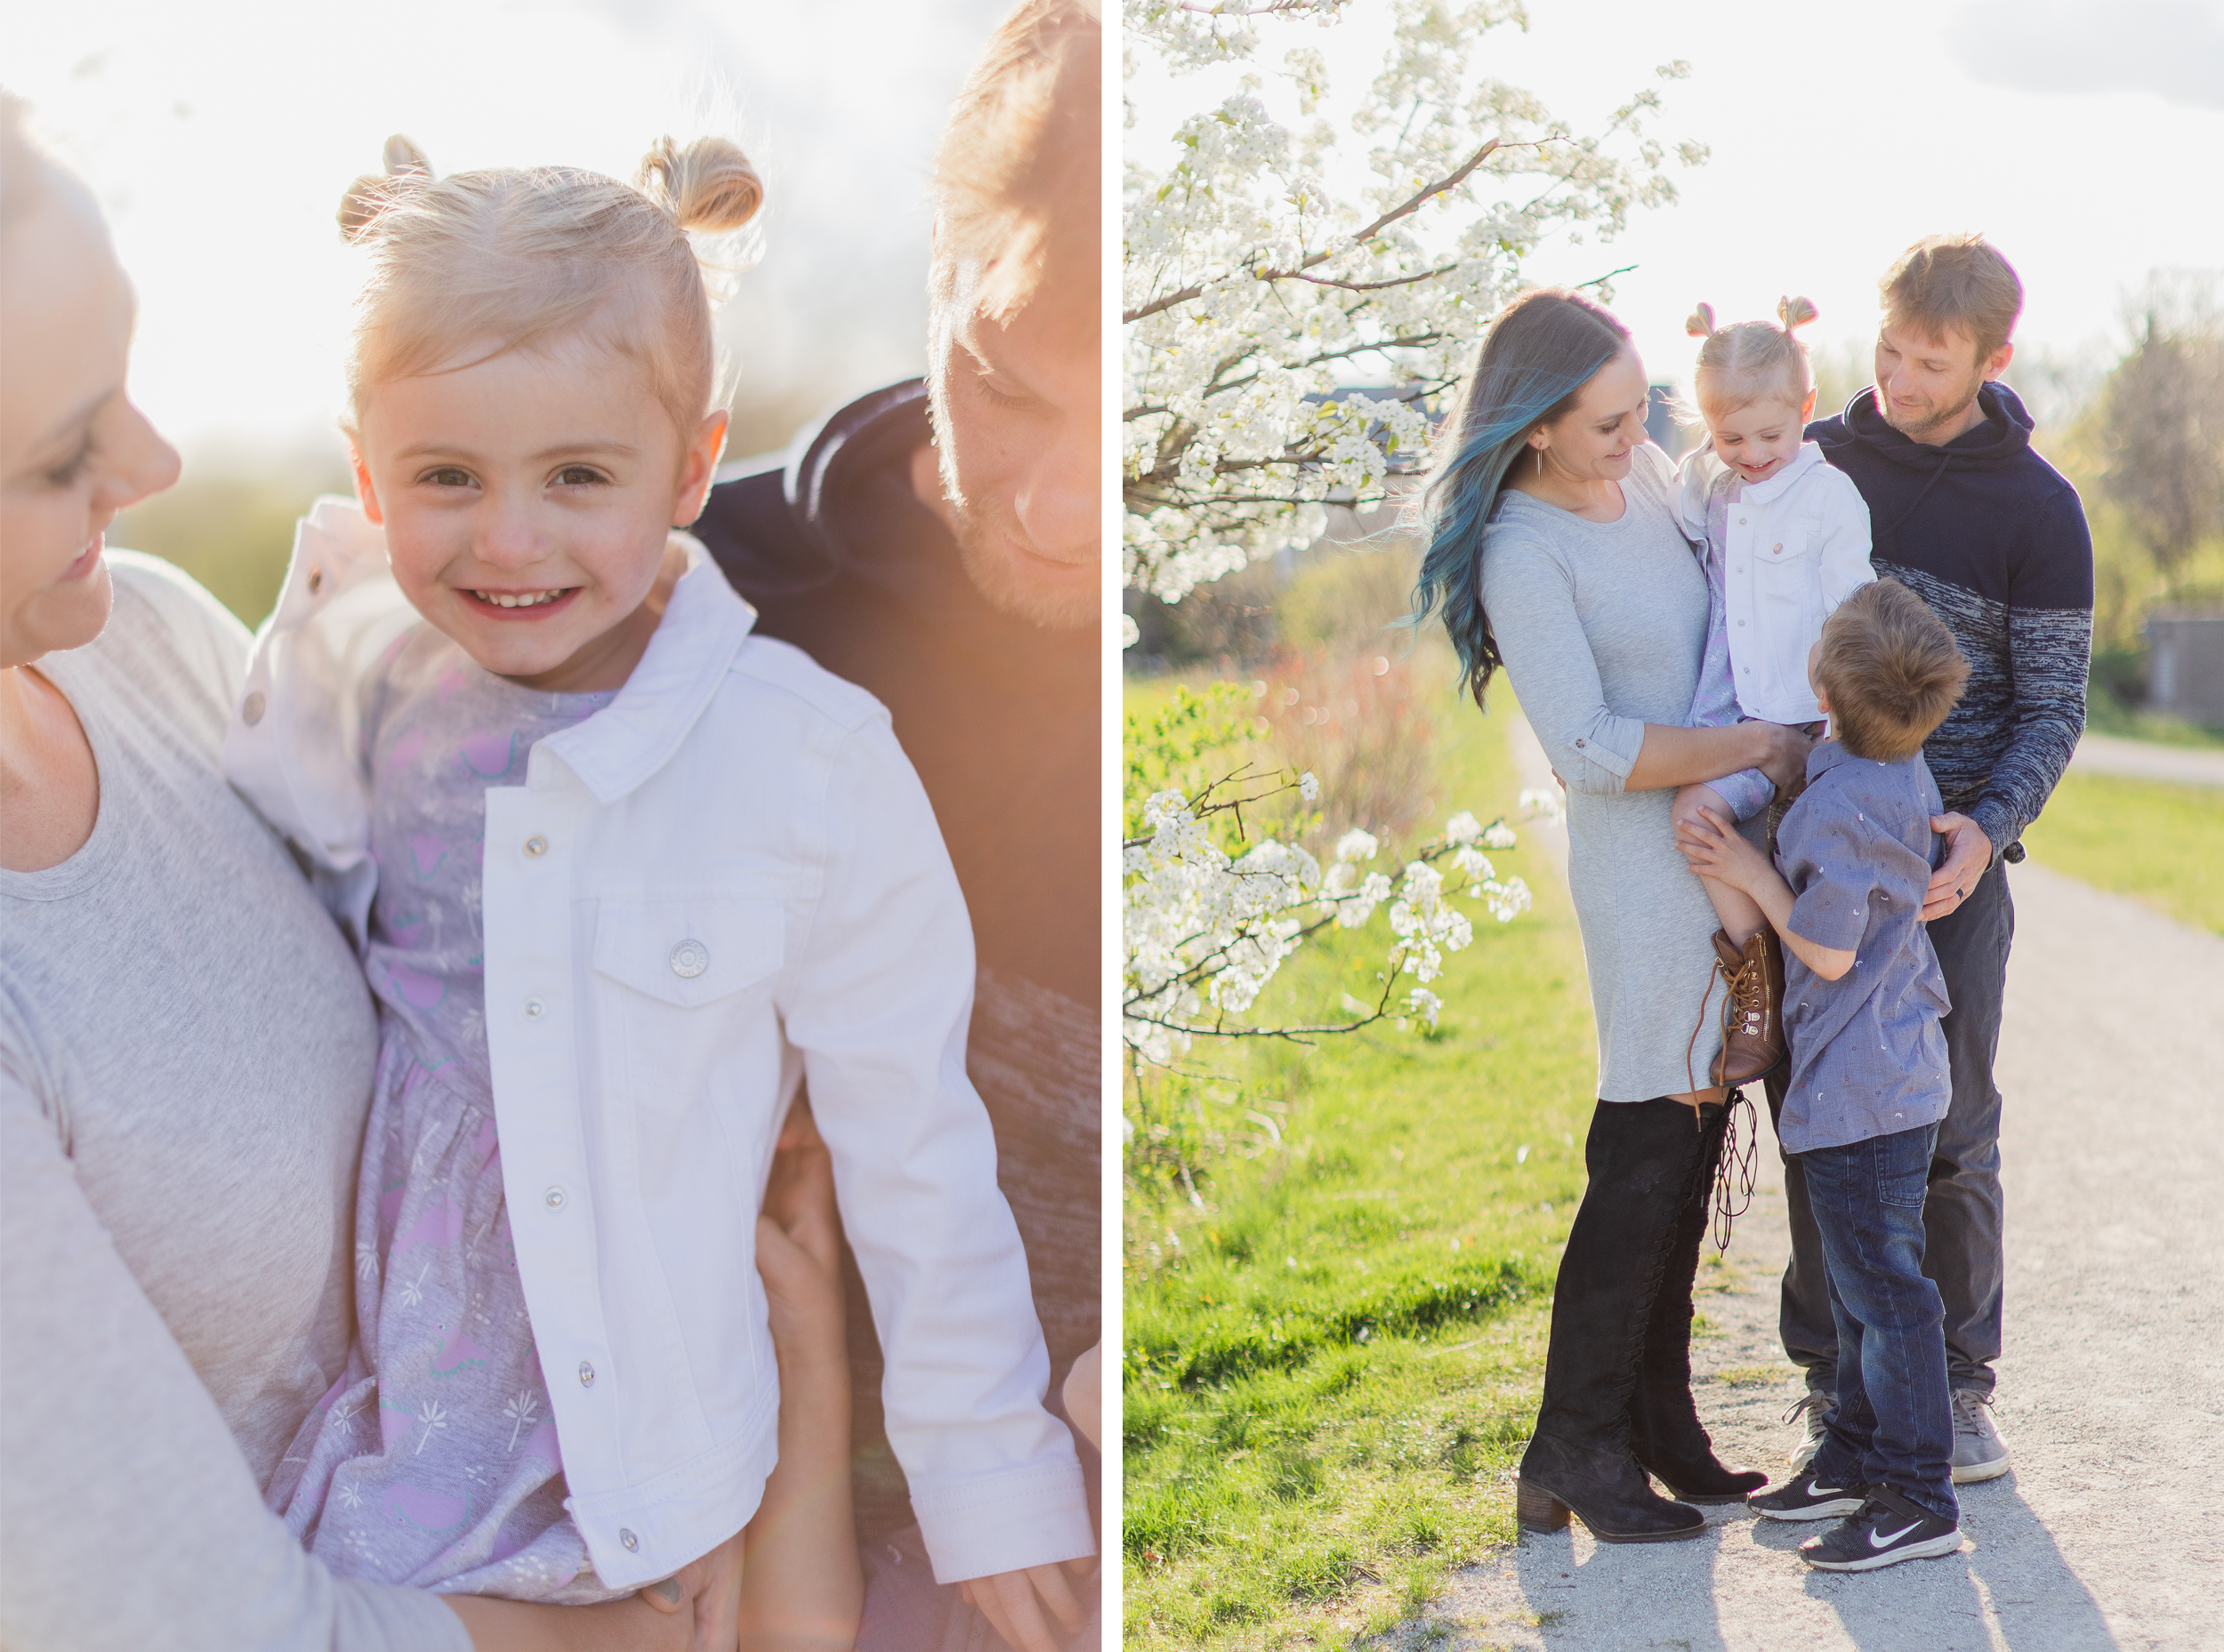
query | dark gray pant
[1961, 1207]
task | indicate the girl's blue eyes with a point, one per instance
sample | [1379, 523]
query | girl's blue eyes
[571, 475]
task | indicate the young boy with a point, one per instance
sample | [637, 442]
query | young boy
[1868, 1083]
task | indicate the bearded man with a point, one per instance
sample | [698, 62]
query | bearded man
[938, 543]
[1994, 539]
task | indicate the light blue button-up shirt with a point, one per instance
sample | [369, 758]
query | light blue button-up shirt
[1868, 1058]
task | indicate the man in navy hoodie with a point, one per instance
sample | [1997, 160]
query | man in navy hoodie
[937, 541]
[1994, 539]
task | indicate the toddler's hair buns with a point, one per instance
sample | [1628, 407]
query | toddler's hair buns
[709, 185]
[1795, 312]
[1700, 322]
[370, 195]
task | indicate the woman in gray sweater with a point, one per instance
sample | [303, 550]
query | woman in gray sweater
[186, 1046]
[1554, 551]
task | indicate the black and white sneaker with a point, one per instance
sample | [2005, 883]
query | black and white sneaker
[1800, 1498]
[1888, 1530]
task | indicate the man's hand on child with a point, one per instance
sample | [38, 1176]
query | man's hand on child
[711, 1588]
[1020, 1605]
[1969, 856]
[1715, 851]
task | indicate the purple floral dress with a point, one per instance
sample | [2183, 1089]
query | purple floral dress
[434, 1461]
[1714, 702]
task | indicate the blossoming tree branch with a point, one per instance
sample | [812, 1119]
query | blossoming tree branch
[1266, 258]
[1266, 264]
[1207, 931]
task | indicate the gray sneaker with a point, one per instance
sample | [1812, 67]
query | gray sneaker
[1811, 1441]
[1979, 1454]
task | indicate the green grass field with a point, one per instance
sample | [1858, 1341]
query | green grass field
[1333, 1353]
[2163, 844]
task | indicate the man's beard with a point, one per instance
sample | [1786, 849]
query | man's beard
[1919, 428]
[1006, 588]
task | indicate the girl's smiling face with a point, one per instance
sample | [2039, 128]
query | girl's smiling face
[1761, 437]
[527, 499]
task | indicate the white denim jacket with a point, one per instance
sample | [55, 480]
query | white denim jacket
[726, 882]
[1798, 546]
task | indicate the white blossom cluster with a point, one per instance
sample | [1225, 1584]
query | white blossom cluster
[1204, 931]
[1266, 257]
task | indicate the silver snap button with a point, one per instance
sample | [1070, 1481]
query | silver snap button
[535, 1009]
[316, 580]
[536, 847]
[586, 1374]
[251, 709]
[553, 1198]
[690, 959]
[631, 1542]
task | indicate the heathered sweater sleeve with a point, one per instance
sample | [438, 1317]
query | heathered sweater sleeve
[128, 1518]
[2050, 652]
[1529, 594]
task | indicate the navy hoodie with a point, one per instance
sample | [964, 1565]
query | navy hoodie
[1994, 539]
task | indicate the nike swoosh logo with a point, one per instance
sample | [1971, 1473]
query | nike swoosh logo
[1877, 1540]
[1826, 1491]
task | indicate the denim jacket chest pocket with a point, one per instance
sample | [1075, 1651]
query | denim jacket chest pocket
[694, 982]
[1786, 587]
[691, 952]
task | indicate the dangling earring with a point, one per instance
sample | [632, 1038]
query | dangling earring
[1540, 460]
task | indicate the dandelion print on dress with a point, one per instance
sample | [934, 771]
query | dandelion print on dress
[434, 1461]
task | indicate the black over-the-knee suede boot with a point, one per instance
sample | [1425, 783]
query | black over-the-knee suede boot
[1665, 1433]
[1641, 1156]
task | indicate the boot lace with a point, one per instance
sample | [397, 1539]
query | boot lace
[1734, 1170]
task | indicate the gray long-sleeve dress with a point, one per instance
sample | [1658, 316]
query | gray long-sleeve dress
[185, 1057]
[1601, 625]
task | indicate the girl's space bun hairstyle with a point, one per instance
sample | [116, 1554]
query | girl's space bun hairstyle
[470, 267]
[1750, 361]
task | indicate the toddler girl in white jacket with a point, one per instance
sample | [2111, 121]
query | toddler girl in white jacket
[1786, 539]
[624, 877]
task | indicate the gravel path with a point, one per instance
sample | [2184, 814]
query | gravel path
[2144, 760]
[2109, 1531]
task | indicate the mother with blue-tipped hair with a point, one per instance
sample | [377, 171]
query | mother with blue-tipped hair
[1554, 551]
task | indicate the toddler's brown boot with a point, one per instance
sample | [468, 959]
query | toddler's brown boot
[1752, 1016]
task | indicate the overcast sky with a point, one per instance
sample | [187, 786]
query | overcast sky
[220, 136]
[2082, 135]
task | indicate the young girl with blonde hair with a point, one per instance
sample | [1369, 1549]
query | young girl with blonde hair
[1786, 539]
[622, 877]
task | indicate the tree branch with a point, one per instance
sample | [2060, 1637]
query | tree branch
[1402, 209]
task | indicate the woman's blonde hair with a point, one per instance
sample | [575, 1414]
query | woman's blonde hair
[519, 259]
[1750, 361]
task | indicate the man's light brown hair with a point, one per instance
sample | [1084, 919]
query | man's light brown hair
[1017, 180]
[1890, 671]
[1948, 284]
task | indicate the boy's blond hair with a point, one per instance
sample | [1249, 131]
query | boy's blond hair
[1948, 284]
[1890, 671]
[523, 259]
[1750, 361]
[1016, 176]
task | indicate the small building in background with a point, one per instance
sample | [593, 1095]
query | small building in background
[2186, 665]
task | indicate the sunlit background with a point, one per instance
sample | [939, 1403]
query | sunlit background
[2079, 135]
[220, 137]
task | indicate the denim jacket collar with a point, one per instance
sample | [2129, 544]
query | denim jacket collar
[1810, 455]
[688, 656]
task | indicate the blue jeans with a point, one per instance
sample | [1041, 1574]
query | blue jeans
[1964, 1214]
[1893, 1424]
